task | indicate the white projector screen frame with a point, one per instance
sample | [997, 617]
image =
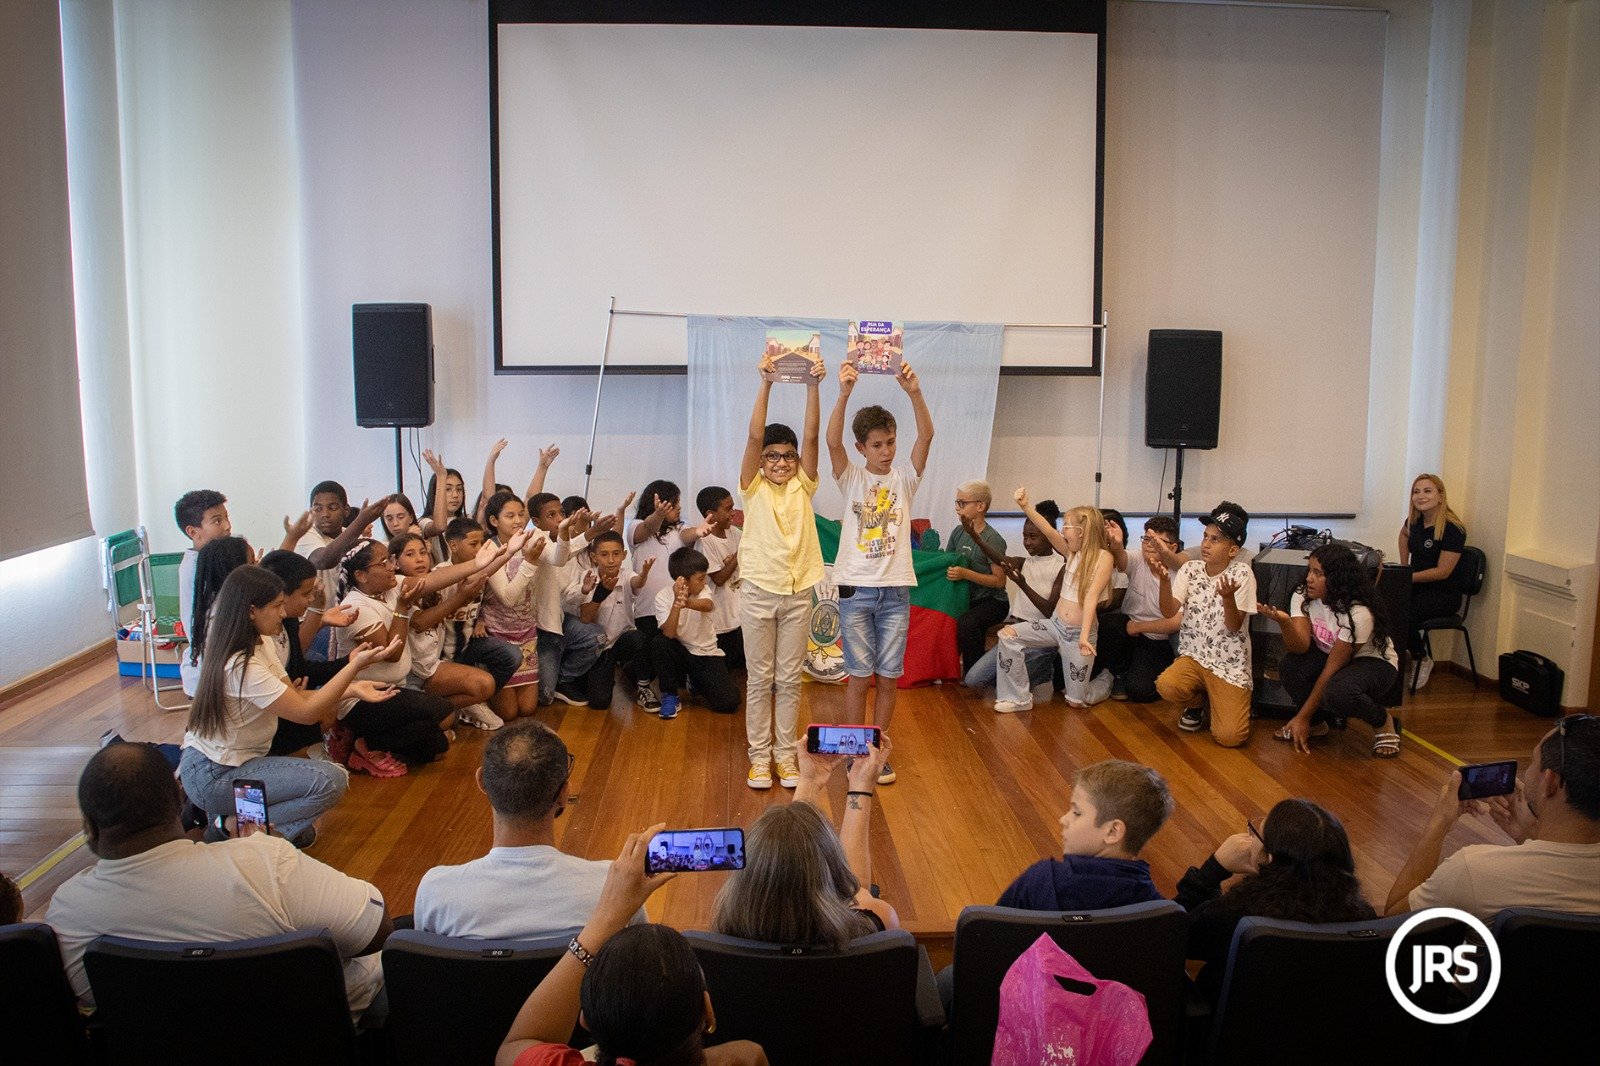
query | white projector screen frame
[575, 227]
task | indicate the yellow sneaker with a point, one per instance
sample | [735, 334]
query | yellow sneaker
[760, 776]
[788, 773]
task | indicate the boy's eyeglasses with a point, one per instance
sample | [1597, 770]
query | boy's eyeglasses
[967, 503]
[1251, 825]
[780, 457]
[1562, 725]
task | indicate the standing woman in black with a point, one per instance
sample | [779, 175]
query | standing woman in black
[1431, 542]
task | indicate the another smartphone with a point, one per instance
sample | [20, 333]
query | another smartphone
[695, 851]
[1488, 779]
[841, 739]
[250, 806]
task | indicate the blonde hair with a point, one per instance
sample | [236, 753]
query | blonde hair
[1441, 517]
[1136, 795]
[977, 490]
[796, 887]
[1093, 524]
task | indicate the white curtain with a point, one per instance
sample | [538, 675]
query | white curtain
[957, 362]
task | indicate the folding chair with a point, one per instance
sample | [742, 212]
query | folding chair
[142, 590]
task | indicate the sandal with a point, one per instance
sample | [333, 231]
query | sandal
[1318, 730]
[1387, 745]
[376, 764]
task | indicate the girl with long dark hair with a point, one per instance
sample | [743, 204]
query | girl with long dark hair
[637, 989]
[1299, 869]
[212, 566]
[1340, 661]
[243, 692]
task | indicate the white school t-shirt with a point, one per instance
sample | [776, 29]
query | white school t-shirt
[1142, 601]
[1327, 627]
[718, 550]
[615, 616]
[875, 530]
[519, 893]
[186, 565]
[1204, 635]
[328, 579]
[695, 631]
[248, 727]
[238, 889]
[372, 611]
[658, 578]
[1039, 571]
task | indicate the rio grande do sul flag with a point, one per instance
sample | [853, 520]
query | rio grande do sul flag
[936, 603]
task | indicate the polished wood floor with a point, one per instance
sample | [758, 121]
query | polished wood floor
[977, 800]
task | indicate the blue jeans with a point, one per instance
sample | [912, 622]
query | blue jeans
[873, 623]
[298, 790]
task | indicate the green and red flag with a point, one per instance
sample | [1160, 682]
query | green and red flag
[936, 603]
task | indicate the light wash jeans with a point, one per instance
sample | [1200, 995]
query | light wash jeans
[1012, 683]
[298, 790]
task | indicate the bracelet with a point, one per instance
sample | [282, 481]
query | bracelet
[853, 792]
[579, 952]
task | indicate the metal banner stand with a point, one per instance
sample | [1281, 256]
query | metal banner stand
[1100, 328]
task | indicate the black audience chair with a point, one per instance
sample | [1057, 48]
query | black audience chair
[874, 1002]
[1549, 988]
[422, 972]
[1141, 945]
[1472, 567]
[1309, 994]
[277, 999]
[38, 1012]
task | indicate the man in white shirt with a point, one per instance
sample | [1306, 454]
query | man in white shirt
[154, 883]
[525, 888]
[1553, 819]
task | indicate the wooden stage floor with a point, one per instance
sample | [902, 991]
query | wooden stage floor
[977, 800]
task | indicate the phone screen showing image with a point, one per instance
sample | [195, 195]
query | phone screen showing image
[1488, 779]
[695, 851]
[250, 807]
[840, 739]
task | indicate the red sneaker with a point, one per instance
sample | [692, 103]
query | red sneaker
[376, 764]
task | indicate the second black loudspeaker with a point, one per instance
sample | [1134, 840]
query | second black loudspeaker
[1183, 388]
[392, 345]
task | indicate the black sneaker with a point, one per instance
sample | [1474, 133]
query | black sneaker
[1194, 719]
[572, 694]
[1119, 690]
[647, 698]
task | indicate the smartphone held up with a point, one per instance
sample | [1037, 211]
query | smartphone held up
[695, 851]
[1488, 779]
[842, 739]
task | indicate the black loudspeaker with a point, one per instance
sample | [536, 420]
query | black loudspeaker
[1183, 388]
[392, 345]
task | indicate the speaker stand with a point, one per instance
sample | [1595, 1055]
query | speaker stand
[1176, 495]
[399, 463]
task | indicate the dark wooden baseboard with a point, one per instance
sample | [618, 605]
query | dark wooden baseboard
[39, 679]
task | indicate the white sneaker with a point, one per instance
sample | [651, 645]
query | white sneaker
[1012, 706]
[479, 716]
[1424, 671]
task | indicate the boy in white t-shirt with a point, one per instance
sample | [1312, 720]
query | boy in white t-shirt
[333, 530]
[687, 642]
[202, 514]
[720, 545]
[1217, 594]
[599, 593]
[872, 568]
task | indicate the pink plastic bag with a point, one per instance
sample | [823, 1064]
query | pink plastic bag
[1045, 1024]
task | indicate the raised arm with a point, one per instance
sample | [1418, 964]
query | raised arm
[329, 555]
[551, 1010]
[919, 406]
[651, 525]
[547, 457]
[436, 520]
[750, 465]
[1447, 810]
[1296, 629]
[808, 434]
[486, 490]
[855, 829]
[836, 453]
[293, 530]
[1057, 541]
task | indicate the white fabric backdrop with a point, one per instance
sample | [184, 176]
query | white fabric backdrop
[957, 362]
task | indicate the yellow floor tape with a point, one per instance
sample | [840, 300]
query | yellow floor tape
[52, 860]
